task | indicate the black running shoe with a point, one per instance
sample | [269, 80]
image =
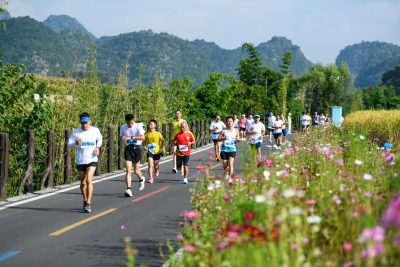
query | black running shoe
[87, 208]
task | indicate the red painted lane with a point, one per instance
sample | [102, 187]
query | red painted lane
[150, 194]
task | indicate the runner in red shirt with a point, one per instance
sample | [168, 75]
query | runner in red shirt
[185, 140]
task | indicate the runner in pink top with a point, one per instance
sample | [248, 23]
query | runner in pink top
[242, 126]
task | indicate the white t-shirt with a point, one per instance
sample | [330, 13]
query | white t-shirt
[217, 128]
[271, 121]
[258, 128]
[248, 123]
[90, 140]
[305, 120]
[135, 131]
[322, 120]
[278, 123]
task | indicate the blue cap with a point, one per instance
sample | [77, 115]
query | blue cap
[84, 119]
[269, 114]
[256, 116]
[387, 145]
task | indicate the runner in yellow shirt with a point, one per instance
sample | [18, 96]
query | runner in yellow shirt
[154, 144]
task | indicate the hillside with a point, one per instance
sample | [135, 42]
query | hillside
[40, 49]
[367, 61]
[271, 53]
[5, 15]
[171, 56]
[63, 22]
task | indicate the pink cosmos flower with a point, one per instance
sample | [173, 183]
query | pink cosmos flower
[199, 167]
[348, 264]
[336, 199]
[339, 161]
[249, 215]
[190, 249]
[391, 216]
[310, 202]
[377, 234]
[347, 246]
[210, 152]
[367, 177]
[227, 197]
[123, 227]
[373, 250]
[293, 246]
[190, 214]
[367, 194]
[179, 237]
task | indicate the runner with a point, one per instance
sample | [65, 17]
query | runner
[242, 124]
[278, 124]
[249, 121]
[315, 119]
[154, 144]
[322, 119]
[308, 119]
[289, 118]
[216, 127]
[184, 140]
[256, 133]
[176, 124]
[284, 128]
[133, 135]
[271, 119]
[235, 121]
[229, 137]
[304, 122]
[87, 140]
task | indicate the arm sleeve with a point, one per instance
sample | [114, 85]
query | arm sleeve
[99, 139]
[71, 140]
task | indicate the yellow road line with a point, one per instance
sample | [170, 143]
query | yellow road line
[72, 226]
[215, 166]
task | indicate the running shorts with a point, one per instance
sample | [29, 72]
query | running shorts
[182, 160]
[270, 130]
[276, 135]
[84, 167]
[284, 131]
[154, 156]
[133, 153]
[227, 155]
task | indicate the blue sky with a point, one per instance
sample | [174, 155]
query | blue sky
[320, 27]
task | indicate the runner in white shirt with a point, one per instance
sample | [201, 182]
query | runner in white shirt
[309, 120]
[271, 119]
[284, 128]
[216, 128]
[322, 119]
[256, 132]
[304, 122]
[235, 121]
[87, 140]
[133, 135]
[249, 121]
[278, 124]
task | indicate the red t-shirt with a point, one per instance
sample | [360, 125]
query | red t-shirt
[183, 139]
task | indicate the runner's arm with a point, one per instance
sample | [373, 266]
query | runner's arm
[71, 140]
[220, 136]
[237, 136]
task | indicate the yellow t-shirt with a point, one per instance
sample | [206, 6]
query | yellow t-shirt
[154, 141]
[176, 126]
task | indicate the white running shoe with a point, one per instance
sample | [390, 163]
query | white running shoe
[185, 181]
[275, 146]
[141, 184]
[128, 192]
[174, 170]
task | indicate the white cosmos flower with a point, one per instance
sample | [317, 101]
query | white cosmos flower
[314, 219]
[362, 137]
[289, 193]
[296, 211]
[358, 162]
[217, 182]
[260, 198]
[267, 174]
[210, 187]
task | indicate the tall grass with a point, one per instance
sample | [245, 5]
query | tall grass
[382, 124]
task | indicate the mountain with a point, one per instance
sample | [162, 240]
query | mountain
[169, 55]
[271, 53]
[64, 22]
[5, 15]
[40, 49]
[367, 61]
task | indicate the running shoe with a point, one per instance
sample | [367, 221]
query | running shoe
[174, 170]
[270, 141]
[217, 158]
[128, 192]
[151, 180]
[141, 184]
[185, 181]
[157, 173]
[87, 208]
[275, 146]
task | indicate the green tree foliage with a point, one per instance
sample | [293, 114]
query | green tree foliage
[286, 62]
[380, 97]
[392, 78]
[251, 70]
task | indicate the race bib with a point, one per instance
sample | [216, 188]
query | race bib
[242, 125]
[229, 143]
[183, 148]
[256, 139]
[131, 142]
[87, 144]
[152, 147]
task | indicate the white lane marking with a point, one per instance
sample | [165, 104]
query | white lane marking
[17, 203]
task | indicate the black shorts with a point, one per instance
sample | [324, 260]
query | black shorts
[133, 153]
[270, 130]
[182, 160]
[227, 155]
[84, 167]
[215, 140]
[276, 135]
[243, 128]
[154, 156]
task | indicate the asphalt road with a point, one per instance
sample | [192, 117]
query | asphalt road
[53, 231]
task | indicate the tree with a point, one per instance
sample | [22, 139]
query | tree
[251, 70]
[286, 62]
[392, 77]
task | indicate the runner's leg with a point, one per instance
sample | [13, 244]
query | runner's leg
[89, 178]
[231, 161]
[128, 176]
[137, 171]
[150, 167]
[83, 186]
